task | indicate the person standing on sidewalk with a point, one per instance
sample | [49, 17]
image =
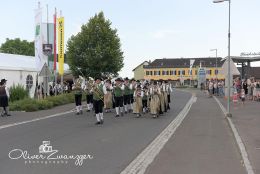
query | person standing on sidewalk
[211, 85]
[4, 95]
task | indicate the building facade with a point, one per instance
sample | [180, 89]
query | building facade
[139, 72]
[179, 69]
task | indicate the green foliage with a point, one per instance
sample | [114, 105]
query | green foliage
[17, 46]
[18, 92]
[96, 50]
[30, 105]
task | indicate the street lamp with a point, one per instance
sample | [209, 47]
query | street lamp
[216, 60]
[229, 35]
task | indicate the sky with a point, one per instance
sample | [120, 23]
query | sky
[149, 29]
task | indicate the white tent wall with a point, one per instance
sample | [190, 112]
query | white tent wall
[15, 77]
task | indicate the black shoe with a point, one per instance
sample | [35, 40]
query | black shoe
[117, 116]
[101, 121]
[8, 115]
[125, 112]
[88, 110]
[97, 123]
[77, 113]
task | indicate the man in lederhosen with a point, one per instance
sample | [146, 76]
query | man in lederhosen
[132, 89]
[4, 95]
[98, 100]
[168, 91]
[118, 96]
[127, 95]
[89, 95]
[78, 96]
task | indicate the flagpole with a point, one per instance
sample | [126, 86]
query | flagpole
[55, 51]
[61, 79]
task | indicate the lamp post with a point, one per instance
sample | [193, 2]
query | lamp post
[229, 35]
[216, 50]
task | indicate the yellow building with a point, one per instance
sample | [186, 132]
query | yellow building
[178, 69]
[139, 71]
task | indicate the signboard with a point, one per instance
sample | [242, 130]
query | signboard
[202, 75]
[250, 54]
[45, 71]
[47, 49]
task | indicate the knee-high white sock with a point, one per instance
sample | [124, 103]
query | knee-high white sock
[117, 110]
[144, 110]
[121, 109]
[131, 106]
[98, 118]
[88, 105]
[125, 108]
[80, 107]
[101, 116]
[77, 108]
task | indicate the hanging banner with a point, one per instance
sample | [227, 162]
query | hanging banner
[38, 40]
[61, 45]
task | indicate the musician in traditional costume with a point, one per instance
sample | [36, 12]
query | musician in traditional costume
[118, 97]
[161, 97]
[127, 95]
[155, 100]
[138, 107]
[165, 95]
[89, 93]
[99, 91]
[108, 96]
[132, 89]
[78, 96]
[145, 98]
[168, 91]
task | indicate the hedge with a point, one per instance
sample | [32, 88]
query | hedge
[30, 105]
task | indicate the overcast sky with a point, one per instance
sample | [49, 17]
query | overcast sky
[149, 29]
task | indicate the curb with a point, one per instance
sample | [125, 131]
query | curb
[239, 141]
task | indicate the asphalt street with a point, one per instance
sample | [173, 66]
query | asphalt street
[112, 145]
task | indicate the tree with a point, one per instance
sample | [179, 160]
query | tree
[95, 50]
[17, 46]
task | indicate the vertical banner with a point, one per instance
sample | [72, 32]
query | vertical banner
[61, 45]
[38, 40]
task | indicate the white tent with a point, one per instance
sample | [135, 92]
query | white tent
[233, 71]
[19, 69]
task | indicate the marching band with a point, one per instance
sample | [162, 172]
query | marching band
[125, 95]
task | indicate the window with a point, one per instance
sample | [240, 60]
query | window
[155, 73]
[159, 72]
[147, 73]
[151, 73]
[179, 72]
[216, 72]
[209, 72]
[167, 73]
[196, 72]
[29, 82]
[174, 72]
[190, 72]
[163, 73]
[183, 72]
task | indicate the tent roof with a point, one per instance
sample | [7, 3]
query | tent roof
[20, 62]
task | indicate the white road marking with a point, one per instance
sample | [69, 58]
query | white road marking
[37, 119]
[239, 141]
[146, 157]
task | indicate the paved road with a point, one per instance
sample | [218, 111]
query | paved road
[113, 145]
[203, 144]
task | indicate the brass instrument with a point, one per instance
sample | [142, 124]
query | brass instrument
[97, 91]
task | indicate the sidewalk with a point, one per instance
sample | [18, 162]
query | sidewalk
[203, 144]
[247, 121]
